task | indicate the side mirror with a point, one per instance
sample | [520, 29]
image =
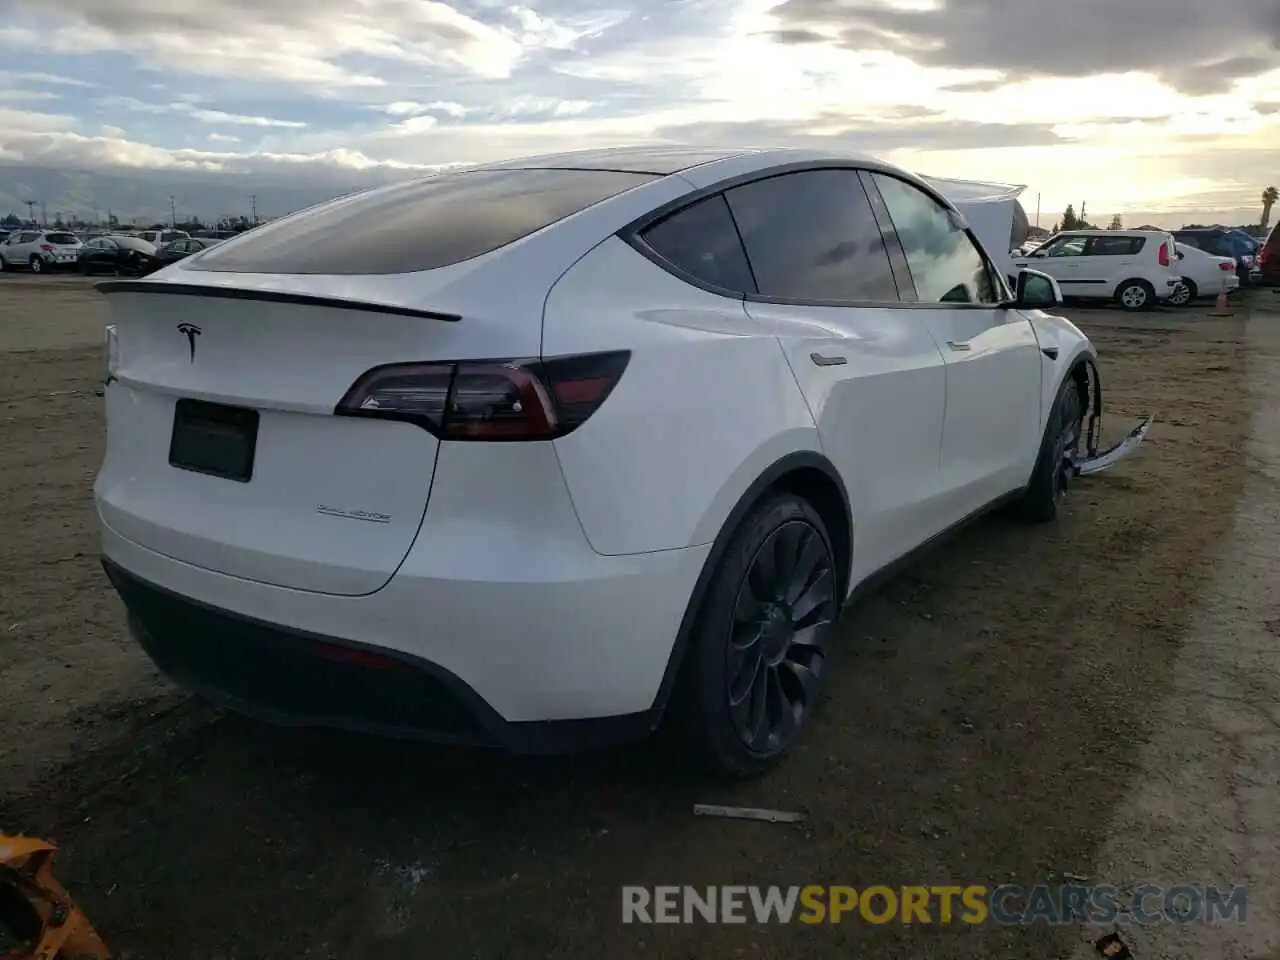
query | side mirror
[1036, 291]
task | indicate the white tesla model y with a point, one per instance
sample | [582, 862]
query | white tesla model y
[536, 453]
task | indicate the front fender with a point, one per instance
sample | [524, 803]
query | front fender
[1063, 346]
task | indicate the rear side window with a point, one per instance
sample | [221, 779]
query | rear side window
[812, 236]
[702, 241]
[1115, 246]
[60, 237]
[419, 225]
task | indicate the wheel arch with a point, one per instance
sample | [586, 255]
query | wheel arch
[1083, 369]
[804, 473]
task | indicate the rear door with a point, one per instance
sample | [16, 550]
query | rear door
[1108, 261]
[994, 367]
[869, 369]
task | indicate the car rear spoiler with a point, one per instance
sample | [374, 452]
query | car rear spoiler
[108, 287]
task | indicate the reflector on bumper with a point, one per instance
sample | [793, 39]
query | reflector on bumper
[1083, 466]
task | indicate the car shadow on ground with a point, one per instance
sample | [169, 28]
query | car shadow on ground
[979, 728]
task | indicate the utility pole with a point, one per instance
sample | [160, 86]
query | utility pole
[1037, 211]
[253, 205]
[31, 210]
[173, 212]
[44, 215]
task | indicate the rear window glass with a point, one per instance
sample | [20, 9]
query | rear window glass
[420, 225]
[135, 243]
[60, 237]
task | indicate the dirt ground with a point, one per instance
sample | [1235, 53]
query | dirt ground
[982, 727]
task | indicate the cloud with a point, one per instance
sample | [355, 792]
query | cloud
[14, 94]
[875, 137]
[51, 79]
[198, 113]
[309, 44]
[1194, 46]
[411, 108]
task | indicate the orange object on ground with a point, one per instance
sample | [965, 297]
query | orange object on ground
[36, 912]
[1220, 308]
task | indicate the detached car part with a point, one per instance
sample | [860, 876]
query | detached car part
[36, 912]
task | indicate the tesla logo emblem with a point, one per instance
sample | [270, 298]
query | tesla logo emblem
[190, 331]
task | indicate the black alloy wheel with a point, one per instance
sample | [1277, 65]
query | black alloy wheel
[777, 650]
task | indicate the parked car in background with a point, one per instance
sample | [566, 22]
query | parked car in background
[1222, 243]
[1203, 275]
[177, 250]
[39, 250]
[117, 253]
[159, 238]
[1269, 258]
[535, 453]
[1135, 268]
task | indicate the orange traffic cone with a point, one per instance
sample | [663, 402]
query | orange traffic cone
[1220, 308]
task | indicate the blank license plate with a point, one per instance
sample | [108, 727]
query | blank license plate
[214, 439]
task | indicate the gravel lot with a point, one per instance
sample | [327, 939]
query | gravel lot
[993, 720]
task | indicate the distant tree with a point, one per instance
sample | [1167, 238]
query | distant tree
[1115, 223]
[1269, 198]
[1054, 230]
[1069, 220]
[11, 221]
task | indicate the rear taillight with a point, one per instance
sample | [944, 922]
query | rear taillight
[1164, 255]
[1264, 256]
[495, 400]
[1226, 267]
[46, 248]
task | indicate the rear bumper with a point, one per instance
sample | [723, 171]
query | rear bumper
[292, 678]
[532, 667]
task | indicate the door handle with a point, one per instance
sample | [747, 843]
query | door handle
[827, 360]
[958, 345]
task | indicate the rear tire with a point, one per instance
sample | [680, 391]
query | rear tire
[1062, 434]
[758, 655]
[1136, 295]
[1184, 293]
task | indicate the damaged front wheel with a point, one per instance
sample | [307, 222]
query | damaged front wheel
[1059, 448]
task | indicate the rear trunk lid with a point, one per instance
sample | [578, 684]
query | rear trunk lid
[223, 450]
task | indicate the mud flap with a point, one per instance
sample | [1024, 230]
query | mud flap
[1092, 461]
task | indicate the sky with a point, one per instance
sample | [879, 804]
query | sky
[1168, 107]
